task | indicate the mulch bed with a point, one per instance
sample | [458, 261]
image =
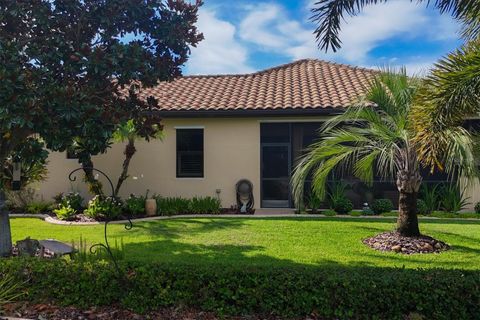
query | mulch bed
[393, 241]
[52, 312]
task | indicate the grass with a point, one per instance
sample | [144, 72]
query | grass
[269, 241]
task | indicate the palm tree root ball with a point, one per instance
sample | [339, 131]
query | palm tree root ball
[394, 241]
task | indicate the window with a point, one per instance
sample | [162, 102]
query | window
[189, 153]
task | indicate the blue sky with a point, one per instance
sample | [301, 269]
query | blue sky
[243, 36]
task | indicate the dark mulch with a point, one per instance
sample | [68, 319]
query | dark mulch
[52, 312]
[393, 241]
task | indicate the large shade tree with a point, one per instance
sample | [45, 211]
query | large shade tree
[452, 89]
[375, 137]
[71, 68]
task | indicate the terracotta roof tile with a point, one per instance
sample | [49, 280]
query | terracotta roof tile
[304, 84]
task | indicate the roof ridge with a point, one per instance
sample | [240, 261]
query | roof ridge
[282, 66]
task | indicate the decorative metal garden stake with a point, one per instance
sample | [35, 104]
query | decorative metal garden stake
[106, 245]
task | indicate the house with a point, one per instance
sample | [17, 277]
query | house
[223, 128]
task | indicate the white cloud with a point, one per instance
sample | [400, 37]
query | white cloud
[415, 66]
[270, 28]
[377, 23]
[220, 52]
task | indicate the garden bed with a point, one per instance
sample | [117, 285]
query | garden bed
[70, 209]
[51, 311]
[393, 241]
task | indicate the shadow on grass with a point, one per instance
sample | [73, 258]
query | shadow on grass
[174, 228]
[170, 251]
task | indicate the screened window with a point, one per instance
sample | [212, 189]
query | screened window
[189, 153]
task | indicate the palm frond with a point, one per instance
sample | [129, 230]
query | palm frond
[365, 139]
[328, 15]
[451, 93]
[460, 159]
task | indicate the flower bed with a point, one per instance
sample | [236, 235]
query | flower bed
[69, 207]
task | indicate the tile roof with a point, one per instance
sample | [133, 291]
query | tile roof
[304, 84]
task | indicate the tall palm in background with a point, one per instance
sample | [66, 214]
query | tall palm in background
[379, 139]
[129, 132]
[451, 91]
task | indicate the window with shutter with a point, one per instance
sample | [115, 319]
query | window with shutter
[189, 153]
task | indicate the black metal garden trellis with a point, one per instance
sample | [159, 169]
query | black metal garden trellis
[128, 226]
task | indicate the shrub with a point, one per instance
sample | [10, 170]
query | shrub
[453, 199]
[329, 213]
[431, 197]
[38, 207]
[336, 292]
[336, 193]
[72, 199]
[172, 206]
[65, 212]
[19, 200]
[205, 205]
[356, 213]
[135, 205]
[343, 206]
[422, 207]
[314, 202]
[477, 207]
[101, 209]
[382, 206]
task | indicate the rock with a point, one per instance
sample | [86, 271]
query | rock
[428, 247]
[397, 248]
[393, 241]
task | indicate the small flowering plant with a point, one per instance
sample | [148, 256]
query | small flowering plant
[100, 208]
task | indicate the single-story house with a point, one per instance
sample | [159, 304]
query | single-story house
[223, 128]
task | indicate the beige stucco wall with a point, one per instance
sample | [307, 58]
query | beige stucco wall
[231, 152]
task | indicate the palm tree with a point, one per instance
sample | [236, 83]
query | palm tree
[452, 90]
[129, 132]
[450, 94]
[375, 136]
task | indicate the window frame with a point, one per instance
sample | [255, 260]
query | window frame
[178, 173]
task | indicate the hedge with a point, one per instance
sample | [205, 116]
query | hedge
[330, 292]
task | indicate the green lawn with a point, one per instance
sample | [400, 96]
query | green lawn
[269, 241]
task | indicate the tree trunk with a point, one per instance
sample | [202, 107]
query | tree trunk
[11, 139]
[95, 186]
[408, 184]
[5, 233]
[407, 223]
[129, 152]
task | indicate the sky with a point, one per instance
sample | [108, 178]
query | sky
[244, 36]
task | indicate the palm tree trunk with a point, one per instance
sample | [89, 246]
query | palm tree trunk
[5, 232]
[407, 223]
[129, 152]
[408, 184]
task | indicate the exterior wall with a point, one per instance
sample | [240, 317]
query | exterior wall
[472, 192]
[231, 152]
